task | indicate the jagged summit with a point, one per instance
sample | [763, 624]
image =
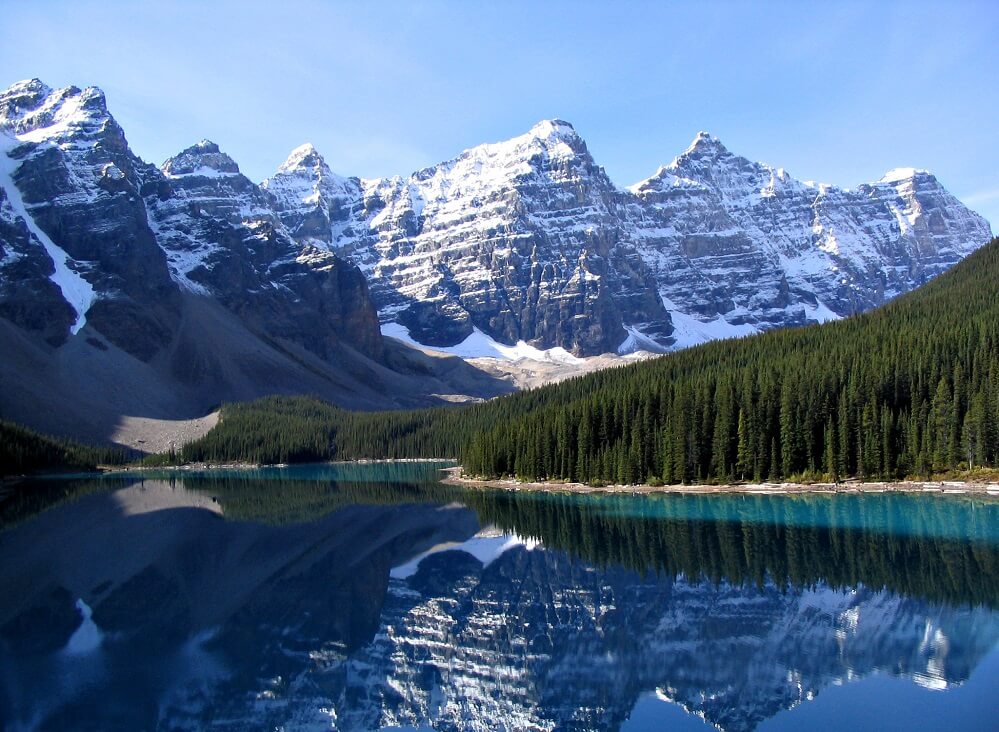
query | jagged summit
[26, 88]
[307, 195]
[33, 111]
[523, 239]
[203, 158]
[705, 144]
[527, 239]
[552, 136]
[555, 136]
[493, 165]
[896, 175]
[303, 156]
[553, 128]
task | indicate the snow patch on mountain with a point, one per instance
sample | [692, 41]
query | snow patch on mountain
[479, 345]
[901, 174]
[638, 341]
[524, 241]
[691, 331]
[79, 293]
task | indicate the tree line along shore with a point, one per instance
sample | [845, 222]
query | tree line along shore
[909, 391]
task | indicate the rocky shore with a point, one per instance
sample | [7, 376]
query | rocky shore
[455, 476]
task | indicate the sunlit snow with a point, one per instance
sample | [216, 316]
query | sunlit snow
[479, 345]
[638, 341]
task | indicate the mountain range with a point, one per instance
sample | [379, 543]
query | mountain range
[131, 289]
[530, 240]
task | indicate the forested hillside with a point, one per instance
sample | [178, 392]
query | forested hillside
[26, 451]
[909, 389]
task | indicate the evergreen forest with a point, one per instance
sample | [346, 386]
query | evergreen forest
[910, 389]
[25, 451]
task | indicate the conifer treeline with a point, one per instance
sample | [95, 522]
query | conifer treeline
[303, 429]
[926, 563]
[909, 389]
[793, 541]
[24, 451]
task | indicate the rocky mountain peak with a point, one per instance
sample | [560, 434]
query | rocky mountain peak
[550, 138]
[523, 239]
[205, 158]
[705, 147]
[898, 174]
[550, 146]
[554, 129]
[304, 157]
[34, 112]
[557, 138]
[22, 96]
[308, 196]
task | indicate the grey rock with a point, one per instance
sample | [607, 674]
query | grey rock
[139, 237]
[529, 240]
[74, 172]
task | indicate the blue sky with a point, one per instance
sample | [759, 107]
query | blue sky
[835, 91]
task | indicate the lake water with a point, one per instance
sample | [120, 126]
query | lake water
[367, 597]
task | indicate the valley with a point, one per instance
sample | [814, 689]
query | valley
[131, 293]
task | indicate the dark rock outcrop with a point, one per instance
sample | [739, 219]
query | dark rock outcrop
[222, 239]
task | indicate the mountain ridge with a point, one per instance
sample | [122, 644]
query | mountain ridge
[116, 270]
[763, 248]
[130, 290]
[528, 239]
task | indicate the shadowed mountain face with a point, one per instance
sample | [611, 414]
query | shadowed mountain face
[112, 229]
[410, 615]
[131, 290]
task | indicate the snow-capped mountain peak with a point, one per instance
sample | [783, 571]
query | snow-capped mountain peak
[712, 245]
[309, 197]
[34, 112]
[203, 158]
[896, 175]
[525, 239]
[304, 157]
[705, 144]
[499, 161]
[21, 99]
[553, 129]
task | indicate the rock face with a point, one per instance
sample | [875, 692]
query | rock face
[529, 240]
[88, 225]
[523, 240]
[742, 245]
[71, 187]
[537, 640]
[132, 290]
[222, 239]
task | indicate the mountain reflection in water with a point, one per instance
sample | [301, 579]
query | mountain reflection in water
[359, 598]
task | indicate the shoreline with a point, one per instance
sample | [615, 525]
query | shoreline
[454, 477]
[256, 466]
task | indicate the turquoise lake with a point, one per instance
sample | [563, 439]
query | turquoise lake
[362, 597]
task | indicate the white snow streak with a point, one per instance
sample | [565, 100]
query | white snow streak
[479, 345]
[75, 289]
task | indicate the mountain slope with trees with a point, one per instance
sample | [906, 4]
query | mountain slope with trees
[908, 389]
